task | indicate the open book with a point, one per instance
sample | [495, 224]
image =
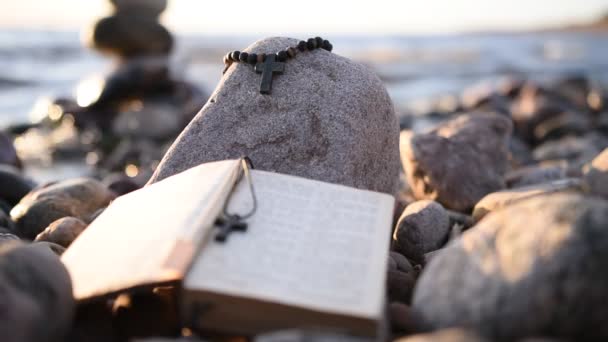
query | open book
[314, 254]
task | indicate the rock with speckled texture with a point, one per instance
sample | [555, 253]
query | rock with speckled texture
[327, 118]
[536, 268]
[458, 162]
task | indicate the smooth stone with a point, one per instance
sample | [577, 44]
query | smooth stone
[130, 80]
[140, 7]
[152, 120]
[400, 318]
[423, 227]
[36, 296]
[93, 322]
[498, 200]
[576, 150]
[63, 231]
[537, 174]
[55, 248]
[458, 162]
[78, 198]
[126, 35]
[565, 123]
[534, 105]
[595, 180]
[8, 154]
[328, 119]
[309, 336]
[7, 236]
[13, 185]
[536, 268]
[446, 335]
[120, 183]
[6, 222]
[401, 278]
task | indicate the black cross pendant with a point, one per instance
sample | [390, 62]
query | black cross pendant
[268, 68]
[227, 225]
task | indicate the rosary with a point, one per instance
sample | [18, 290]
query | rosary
[270, 64]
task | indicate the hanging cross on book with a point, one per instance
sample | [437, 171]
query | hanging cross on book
[268, 68]
[227, 225]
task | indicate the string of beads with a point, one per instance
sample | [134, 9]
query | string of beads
[281, 56]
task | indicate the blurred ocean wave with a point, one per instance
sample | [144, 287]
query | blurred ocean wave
[416, 69]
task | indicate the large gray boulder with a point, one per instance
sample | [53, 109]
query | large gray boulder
[459, 161]
[535, 268]
[327, 118]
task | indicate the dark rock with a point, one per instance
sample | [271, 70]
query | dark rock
[595, 180]
[93, 323]
[130, 80]
[78, 198]
[7, 236]
[36, 294]
[8, 154]
[446, 335]
[6, 222]
[423, 227]
[120, 183]
[13, 186]
[152, 120]
[563, 124]
[401, 278]
[498, 200]
[532, 175]
[127, 36]
[55, 248]
[536, 268]
[140, 7]
[327, 118]
[400, 318]
[459, 162]
[63, 231]
[577, 151]
[521, 153]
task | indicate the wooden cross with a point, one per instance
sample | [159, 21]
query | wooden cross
[268, 68]
[227, 225]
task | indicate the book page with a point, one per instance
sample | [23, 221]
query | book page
[150, 235]
[310, 244]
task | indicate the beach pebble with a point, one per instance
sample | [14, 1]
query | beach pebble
[152, 120]
[595, 180]
[140, 7]
[423, 227]
[127, 35]
[500, 199]
[327, 118]
[401, 278]
[535, 268]
[13, 185]
[120, 183]
[93, 322]
[145, 314]
[55, 248]
[458, 162]
[446, 335]
[78, 198]
[131, 79]
[400, 318]
[7, 236]
[575, 150]
[63, 231]
[36, 294]
[535, 174]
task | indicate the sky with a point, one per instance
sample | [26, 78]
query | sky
[318, 16]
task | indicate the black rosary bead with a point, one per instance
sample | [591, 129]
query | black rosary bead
[291, 52]
[252, 58]
[282, 56]
[319, 41]
[311, 44]
[261, 57]
[327, 45]
[302, 46]
[227, 59]
[243, 57]
[234, 55]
